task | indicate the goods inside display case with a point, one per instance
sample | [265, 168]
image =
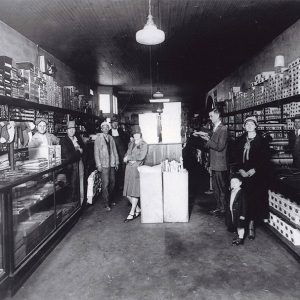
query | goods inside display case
[37, 202]
[33, 214]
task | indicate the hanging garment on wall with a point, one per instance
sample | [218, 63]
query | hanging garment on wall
[4, 136]
[11, 131]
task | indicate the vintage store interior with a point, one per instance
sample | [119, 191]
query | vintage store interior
[156, 69]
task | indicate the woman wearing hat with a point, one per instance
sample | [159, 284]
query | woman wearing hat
[134, 158]
[253, 166]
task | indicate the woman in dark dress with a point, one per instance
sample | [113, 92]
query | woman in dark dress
[253, 166]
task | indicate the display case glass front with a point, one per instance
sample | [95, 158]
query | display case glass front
[33, 214]
[34, 208]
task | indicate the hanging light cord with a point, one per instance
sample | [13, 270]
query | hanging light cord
[150, 68]
[149, 7]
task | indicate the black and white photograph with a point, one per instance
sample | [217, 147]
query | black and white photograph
[149, 149]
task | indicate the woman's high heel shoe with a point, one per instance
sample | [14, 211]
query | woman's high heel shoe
[129, 218]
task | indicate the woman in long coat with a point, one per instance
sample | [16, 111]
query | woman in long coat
[134, 158]
[253, 165]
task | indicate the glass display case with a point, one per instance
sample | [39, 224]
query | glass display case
[35, 207]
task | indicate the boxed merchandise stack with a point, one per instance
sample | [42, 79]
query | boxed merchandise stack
[249, 98]
[50, 100]
[275, 86]
[51, 122]
[293, 109]
[294, 68]
[258, 95]
[3, 112]
[69, 97]
[42, 90]
[21, 114]
[285, 206]
[5, 76]
[17, 90]
[29, 72]
[262, 77]
[272, 113]
[57, 95]
[289, 232]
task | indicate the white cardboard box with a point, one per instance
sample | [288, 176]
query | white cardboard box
[176, 196]
[151, 194]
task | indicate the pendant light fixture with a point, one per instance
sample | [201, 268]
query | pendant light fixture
[150, 34]
[158, 94]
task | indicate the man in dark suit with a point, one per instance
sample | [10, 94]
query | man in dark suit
[71, 149]
[217, 144]
[121, 142]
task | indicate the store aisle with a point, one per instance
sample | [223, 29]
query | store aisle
[103, 258]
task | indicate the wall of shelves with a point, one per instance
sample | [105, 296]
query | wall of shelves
[36, 209]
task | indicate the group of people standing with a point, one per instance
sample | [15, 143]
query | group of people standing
[111, 159]
[117, 163]
[240, 190]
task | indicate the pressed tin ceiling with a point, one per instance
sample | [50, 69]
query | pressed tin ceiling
[205, 39]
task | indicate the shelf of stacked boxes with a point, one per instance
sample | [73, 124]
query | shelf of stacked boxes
[285, 217]
[26, 81]
[267, 87]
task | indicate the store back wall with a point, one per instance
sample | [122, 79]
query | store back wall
[287, 44]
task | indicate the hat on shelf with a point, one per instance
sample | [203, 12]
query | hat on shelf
[252, 119]
[40, 119]
[105, 124]
[71, 124]
[297, 116]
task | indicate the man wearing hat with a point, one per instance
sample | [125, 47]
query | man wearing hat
[121, 144]
[71, 149]
[41, 138]
[107, 162]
